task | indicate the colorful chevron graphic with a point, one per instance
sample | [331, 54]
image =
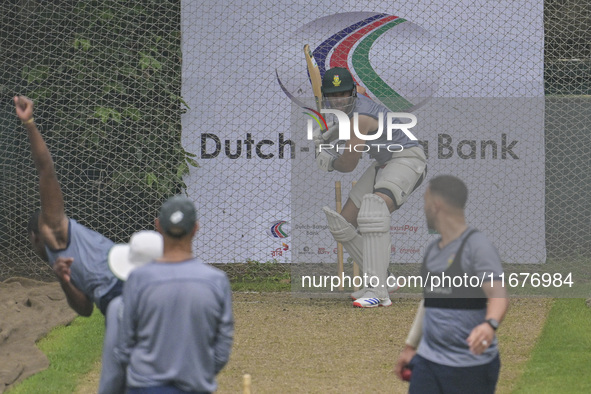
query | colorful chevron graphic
[276, 229]
[350, 47]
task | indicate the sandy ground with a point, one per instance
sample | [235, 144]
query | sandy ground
[308, 345]
[28, 311]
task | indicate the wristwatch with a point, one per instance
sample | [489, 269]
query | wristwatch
[493, 323]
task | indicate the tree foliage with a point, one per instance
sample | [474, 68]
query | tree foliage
[106, 80]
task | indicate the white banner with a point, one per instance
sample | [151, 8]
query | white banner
[471, 73]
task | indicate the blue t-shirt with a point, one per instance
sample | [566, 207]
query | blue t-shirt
[445, 331]
[90, 271]
[177, 327]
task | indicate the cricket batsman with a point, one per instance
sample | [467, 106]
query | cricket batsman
[398, 168]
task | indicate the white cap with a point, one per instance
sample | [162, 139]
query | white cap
[143, 247]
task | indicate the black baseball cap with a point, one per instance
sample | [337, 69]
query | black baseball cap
[178, 216]
[336, 80]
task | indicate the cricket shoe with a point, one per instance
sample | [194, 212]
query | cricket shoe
[360, 293]
[371, 301]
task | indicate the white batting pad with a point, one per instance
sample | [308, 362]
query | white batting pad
[345, 233]
[374, 224]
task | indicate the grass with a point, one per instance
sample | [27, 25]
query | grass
[72, 352]
[257, 276]
[560, 361]
[558, 278]
[261, 287]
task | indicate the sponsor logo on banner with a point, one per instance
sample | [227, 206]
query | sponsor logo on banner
[448, 147]
[306, 250]
[279, 229]
[312, 229]
[404, 229]
[404, 250]
[247, 147]
[409, 250]
[278, 252]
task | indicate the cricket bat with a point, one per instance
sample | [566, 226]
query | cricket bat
[314, 72]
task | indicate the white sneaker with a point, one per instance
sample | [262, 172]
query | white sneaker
[370, 300]
[360, 293]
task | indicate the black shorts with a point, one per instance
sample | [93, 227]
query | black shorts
[114, 292]
[433, 378]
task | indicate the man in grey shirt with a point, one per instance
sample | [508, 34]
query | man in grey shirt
[452, 347]
[177, 326]
[77, 254]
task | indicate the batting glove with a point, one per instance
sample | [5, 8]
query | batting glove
[332, 133]
[325, 158]
[326, 137]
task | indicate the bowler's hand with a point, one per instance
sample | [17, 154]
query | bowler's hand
[404, 359]
[61, 267]
[24, 108]
[480, 338]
